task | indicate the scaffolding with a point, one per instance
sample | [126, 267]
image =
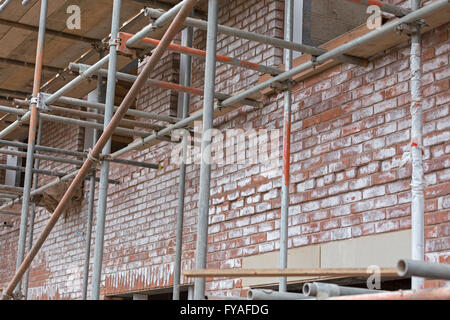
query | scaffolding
[44, 107]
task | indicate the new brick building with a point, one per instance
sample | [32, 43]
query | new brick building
[350, 194]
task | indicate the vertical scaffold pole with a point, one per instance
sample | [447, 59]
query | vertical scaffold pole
[32, 211]
[104, 171]
[31, 139]
[205, 167]
[90, 214]
[185, 80]
[288, 35]
[417, 181]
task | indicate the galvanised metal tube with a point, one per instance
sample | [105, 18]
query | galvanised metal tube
[151, 43]
[93, 115]
[430, 294]
[133, 163]
[417, 177]
[395, 10]
[288, 74]
[8, 188]
[104, 171]
[371, 36]
[69, 153]
[407, 268]
[34, 118]
[81, 123]
[11, 213]
[45, 172]
[33, 211]
[4, 5]
[97, 116]
[40, 156]
[284, 223]
[131, 112]
[44, 148]
[7, 196]
[13, 126]
[262, 39]
[326, 290]
[162, 20]
[264, 294]
[205, 166]
[168, 85]
[72, 84]
[87, 250]
[101, 92]
[186, 80]
[225, 298]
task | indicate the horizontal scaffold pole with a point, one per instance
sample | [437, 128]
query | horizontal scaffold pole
[264, 294]
[77, 154]
[92, 115]
[429, 294]
[130, 112]
[12, 189]
[81, 123]
[316, 272]
[279, 43]
[10, 213]
[165, 85]
[408, 268]
[326, 290]
[46, 172]
[151, 43]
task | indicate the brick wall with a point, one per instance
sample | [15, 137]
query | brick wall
[350, 129]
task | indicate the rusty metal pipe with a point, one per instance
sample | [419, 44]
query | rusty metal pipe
[166, 85]
[151, 43]
[34, 118]
[108, 132]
